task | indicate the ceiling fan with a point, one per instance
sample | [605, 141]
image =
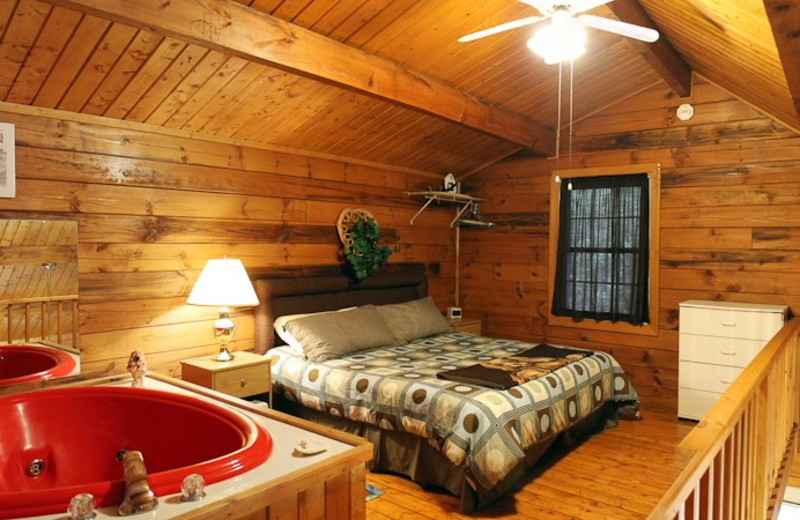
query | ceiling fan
[564, 37]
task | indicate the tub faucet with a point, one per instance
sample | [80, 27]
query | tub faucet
[138, 495]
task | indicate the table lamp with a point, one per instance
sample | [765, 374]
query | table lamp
[223, 283]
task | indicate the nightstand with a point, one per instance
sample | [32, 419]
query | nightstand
[247, 374]
[467, 325]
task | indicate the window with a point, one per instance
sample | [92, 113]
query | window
[603, 241]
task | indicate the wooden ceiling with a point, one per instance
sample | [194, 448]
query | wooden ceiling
[376, 80]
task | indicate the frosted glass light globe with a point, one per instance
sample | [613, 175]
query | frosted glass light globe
[563, 39]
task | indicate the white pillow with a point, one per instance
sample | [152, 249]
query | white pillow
[280, 323]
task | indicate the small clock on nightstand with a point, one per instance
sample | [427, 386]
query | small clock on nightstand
[246, 375]
[466, 325]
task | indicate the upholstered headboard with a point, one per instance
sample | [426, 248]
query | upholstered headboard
[281, 296]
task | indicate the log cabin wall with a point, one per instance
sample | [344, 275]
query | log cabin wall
[153, 205]
[730, 224]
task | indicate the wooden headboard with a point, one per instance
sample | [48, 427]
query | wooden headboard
[281, 296]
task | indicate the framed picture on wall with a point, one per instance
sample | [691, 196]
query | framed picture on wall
[7, 164]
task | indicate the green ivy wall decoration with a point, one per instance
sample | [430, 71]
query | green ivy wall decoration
[359, 232]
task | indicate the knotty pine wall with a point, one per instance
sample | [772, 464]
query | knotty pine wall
[152, 207]
[730, 224]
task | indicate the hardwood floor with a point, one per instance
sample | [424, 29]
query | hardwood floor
[618, 474]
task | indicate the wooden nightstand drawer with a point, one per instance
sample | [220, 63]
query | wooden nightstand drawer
[248, 374]
[467, 325]
[244, 381]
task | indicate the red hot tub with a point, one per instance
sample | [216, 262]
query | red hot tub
[77, 432]
[25, 363]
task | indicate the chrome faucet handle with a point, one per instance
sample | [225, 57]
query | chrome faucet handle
[138, 495]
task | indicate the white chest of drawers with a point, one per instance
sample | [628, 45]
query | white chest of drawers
[717, 340]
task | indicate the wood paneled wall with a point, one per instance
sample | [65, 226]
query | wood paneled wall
[730, 223]
[153, 205]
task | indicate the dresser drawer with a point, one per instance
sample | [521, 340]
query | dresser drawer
[718, 351]
[701, 376]
[730, 323]
[243, 381]
[693, 404]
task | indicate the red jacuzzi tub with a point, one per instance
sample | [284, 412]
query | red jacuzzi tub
[77, 432]
[24, 363]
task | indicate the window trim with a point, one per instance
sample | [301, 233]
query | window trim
[653, 172]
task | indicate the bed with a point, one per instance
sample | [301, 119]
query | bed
[474, 441]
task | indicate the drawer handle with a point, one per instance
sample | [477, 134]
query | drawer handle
[725, 381]
[728, 352]
[242, 382]
[728, 323]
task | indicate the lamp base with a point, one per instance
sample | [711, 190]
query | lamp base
[224, 354]
[224, 328]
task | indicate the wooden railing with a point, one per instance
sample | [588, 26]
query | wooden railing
[744, 444]
[46, 319]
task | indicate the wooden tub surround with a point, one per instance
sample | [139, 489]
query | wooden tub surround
[331, 490]
[743, 446]
[330, 487]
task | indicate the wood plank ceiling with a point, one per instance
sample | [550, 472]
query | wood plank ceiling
[732, 44]
[62, 58]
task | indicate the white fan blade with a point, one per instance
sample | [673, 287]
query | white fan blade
[579, 6]
[636, 32]
[500, 28]
[543, 6]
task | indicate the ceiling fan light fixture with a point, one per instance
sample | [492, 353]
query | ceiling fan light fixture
[562, 40]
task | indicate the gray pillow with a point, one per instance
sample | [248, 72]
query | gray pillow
[331, 335]
[415, 319]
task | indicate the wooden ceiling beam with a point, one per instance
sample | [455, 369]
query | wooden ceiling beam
[783, 17]
[661, 55]
[237, 30]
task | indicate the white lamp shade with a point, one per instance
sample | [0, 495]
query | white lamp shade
[223, 283]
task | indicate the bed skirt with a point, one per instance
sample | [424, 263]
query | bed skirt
[411, 456]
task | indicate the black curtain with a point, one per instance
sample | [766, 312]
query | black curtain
[603, 249]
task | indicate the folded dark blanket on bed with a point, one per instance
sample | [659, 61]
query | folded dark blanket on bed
[503, 373]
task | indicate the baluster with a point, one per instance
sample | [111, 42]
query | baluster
[75, 323]
[747, 439]
[10, 314]
[712, 492]
[730, 456]
[696, 500]
[58, 323]
[45, 321]
[27, 322]
[719, 492]
[738, 482]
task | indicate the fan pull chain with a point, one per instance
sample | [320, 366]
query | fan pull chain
[571, 104]
[558, 120]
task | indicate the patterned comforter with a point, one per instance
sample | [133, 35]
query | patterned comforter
[396, 388]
